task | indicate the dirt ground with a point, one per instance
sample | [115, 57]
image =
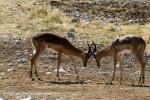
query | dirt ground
[15, 83]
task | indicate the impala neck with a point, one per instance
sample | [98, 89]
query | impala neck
[77, 52]
[107, 52]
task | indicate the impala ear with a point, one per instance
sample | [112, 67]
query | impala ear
[88, 44]
[95, 48]
[93, 43]
[89, 47]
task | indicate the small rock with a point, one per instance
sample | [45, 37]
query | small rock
[75, 20]
[1, 64]
[12, 38]
[8, 60]
[53, 55]
[10, 64]
[1, 78]
[60, 99]
[26, 53]
[34, 2]
[46, 62]
[88, 81]
[23, 60]
[28, 98]
[77, 13]
[62, 70]
[1, 98]
[44, 56]
[49, 68]
[87, 18]
[2, 73]
[30, 55]
[102, 72]
[129, 66]
[48, 73]
[17, 41]
[138, 72]
[71, 33]
[19, 54]
[147, 53]
[11, 69]
[131, 21]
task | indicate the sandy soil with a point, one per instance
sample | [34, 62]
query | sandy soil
[15, 83]
[15, 56]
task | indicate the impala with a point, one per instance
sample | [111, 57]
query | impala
[124, 45]
[60, 45]
[149, 39]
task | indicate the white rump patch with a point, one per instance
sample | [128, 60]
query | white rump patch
[34, 51]
[122, 53]
[117, 65]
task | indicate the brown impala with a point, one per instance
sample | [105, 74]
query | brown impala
[59, 44]
[124, 45]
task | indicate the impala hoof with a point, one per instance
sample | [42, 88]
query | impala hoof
[40, 79]
[58, 79]
[32, 79]
[140, 84]
[109, 83]
[77, 78]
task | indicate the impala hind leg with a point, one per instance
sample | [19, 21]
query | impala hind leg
[33, 64]
[142, 74]
[75, 68]
[37, 52]
[115, 63]
[36, 72]
[59, 60]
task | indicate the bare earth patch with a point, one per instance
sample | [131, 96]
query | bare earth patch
[21, 19]
[15, 83]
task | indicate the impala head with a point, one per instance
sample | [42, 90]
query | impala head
[98, 56]
[88, 54]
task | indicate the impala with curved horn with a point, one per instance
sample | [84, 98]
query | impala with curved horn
[60, 45]
[119, 47]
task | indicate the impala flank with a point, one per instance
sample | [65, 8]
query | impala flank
[60, 45]
[124, 45]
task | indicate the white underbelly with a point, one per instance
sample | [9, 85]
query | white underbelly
[50, 47]
[121, 53]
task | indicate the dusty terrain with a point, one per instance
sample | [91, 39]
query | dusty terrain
[21, 19]
[15, 83]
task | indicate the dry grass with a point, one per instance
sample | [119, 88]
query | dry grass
[28, 19]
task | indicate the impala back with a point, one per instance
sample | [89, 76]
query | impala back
[128, 43]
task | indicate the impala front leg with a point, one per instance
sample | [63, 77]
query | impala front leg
[76, 72]
[97, 60]
[33, 64]
[121, 68]
[59, 60]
